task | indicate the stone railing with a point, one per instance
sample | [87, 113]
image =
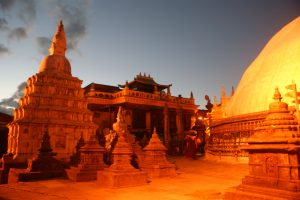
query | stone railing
[229, 134]
[140, 95]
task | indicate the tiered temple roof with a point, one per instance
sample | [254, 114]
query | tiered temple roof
[145, 83]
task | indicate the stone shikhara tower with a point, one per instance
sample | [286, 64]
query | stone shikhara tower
[53, 100]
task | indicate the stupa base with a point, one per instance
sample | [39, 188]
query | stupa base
[116, 179]
[247, 192]
[158, 171]
[22, 175]
[80, 175]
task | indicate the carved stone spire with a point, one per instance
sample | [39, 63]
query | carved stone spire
[223, 92]
[192, 95]
[215, 102]
[155, 161]
[120, 125]
[277, 95]
[120, 115]
[59, 43]
[155, 144]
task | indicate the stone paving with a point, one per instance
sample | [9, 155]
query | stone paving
[196, 179]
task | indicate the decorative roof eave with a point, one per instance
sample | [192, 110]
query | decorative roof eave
[101, 88]
[138, 82]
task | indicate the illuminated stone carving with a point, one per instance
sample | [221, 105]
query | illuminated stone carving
[121, 173]
[146, 104]
[91, 160]
[154, 161]
[274, 158]
[44, 166]
[276, 65]
[53, 97]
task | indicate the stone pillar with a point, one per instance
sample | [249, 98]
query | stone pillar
[148, 121]
[179, 124]
[166, 127]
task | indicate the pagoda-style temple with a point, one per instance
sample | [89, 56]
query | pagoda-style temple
[53, 100]
[146, 104]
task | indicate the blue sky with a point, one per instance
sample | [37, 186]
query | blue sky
[195, 45]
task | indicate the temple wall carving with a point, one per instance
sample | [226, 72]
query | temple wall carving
[52, 102]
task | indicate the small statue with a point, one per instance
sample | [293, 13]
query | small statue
[209, 105]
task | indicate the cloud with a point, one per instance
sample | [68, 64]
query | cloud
[74, 16]
[18, 33]
[3, 24]
[27, 11]
[5, 110]
[6, 4]
[7, 105]
[43, 44]
[3, 50]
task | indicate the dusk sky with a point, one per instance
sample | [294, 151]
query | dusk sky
[195, 45]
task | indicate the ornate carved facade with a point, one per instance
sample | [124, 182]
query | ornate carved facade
[274, 155]
[53, 99]
[146, 105]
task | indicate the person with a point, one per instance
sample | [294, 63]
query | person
[191, 145]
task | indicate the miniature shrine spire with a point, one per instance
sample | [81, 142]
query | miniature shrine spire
[223, 92]
[277, 95]
[192, 95]
[59, 43]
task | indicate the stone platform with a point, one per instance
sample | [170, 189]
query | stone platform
[77, 174]
[23, 175]
[116, 179]
[196, 179]
[247, 192]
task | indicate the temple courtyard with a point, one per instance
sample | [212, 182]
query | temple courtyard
[196, 179]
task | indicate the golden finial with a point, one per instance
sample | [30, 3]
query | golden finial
[223, 91]
[59, 43]
[277, 95]
[215, 102]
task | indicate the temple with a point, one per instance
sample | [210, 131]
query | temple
[54, 101]
[146, 105]
[234, 120]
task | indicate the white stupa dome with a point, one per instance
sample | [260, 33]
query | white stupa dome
[278, 64]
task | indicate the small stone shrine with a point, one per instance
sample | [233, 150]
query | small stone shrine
[121, 173]
[121, 125]
[91, 160]
[75, 158]
[44, 166]
[274, 156]
[155, 162]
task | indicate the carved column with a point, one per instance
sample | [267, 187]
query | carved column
[179, 124]
[148, 121]
[166, 127]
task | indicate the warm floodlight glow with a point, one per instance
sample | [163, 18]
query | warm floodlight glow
[276, 65]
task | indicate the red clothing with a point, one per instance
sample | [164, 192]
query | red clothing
[191, 146]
